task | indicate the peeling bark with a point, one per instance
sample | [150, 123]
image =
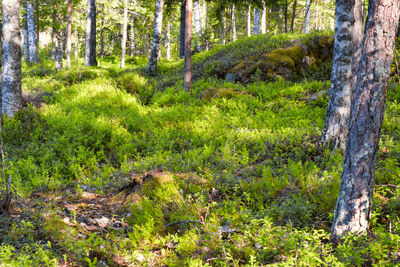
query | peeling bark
[353, 207]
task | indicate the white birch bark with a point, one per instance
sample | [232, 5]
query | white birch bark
[249, 22]
[264, 20]
[256, 29]
[197, 24]
[233, 19]
[307, 16]
[33, 55]
[155, 48]
[133, 44]
[168, 45]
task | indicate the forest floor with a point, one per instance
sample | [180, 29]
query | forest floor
[113, 168]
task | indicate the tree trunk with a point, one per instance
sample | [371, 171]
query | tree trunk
[124, 34]
[69, 33]
[353, 207]
[286, 16]
[182, 30]
[26, 37]
[187, 80]
[249, 22]
[168, 46]
[307, 17]
[233, 19]
[90, 49]
[256, 29]
[76, 51]
[348, 40]
[133, 52]
[197, 24]
[11, 76]
[155, 49]
[58, 54]
[37, 23]
[33, 55]
[264, 20]
[293, 16]
[222, 26]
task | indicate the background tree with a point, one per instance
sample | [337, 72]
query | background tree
[90, 50]
[155, 49]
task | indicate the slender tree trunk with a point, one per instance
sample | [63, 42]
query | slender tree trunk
[76, 51]
[293, 16]
[155, 49]
[353, 207]
[11, 76]
[233, 19]
[69, 33]
[249, 21]
[197, 24]
[222, 26]
[348, 40]
[286, 16]
[37, 23]
[182, 30]
[33, 53]
[133, 52]
[168, 46]
[256, 29]
[58, 54]
[187, 80]
[90, 49]
[264, 20]
[124, 34]
[26, 37]
[307, 16]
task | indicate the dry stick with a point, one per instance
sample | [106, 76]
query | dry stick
[389, 185]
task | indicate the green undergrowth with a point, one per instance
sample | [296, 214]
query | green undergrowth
[223, 175]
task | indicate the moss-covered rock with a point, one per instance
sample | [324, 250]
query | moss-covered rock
[227, 93]
[290, 63]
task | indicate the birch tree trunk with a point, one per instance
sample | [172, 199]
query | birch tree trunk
[233, 19]
[264, 20]
[256, 29]
[37, 23]
[222, 26]
[168, 46]
[76, 50]
[124, 34]
[33, 53]
[133, 45]
[182, 30]
[249, 22]
[187, 79]
[11, 76]
[348, 40]
[69, 33]
[293, 16]
[197, 24]
[155, 48]
[307, 16]
[26, 37]
[90, 49]
[353, 207]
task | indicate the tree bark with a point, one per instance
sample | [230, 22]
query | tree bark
[33, 53]
[133, 45]
[286, 16]
[264, 20]
[124, 34]
[168, 45]
[90, 49]
[69, 33]
[233, 19]
[182, 30]
[249, 21]
[187, 80]
[11, 76]
[26, 37]
[293, 16]
[77, 47]
[222, 26]
[37, 23]
[307, 16]
[353, 207]
[256, 29]
[155, 48]
[197, 24]
[348, 40]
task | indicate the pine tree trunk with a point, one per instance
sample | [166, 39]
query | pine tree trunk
[168, 46]
[187, 79]
[124, 34]
[11, 76]
[256, 29]
[264, 20]
[233, 19]
[293, 16]
[90, 49]
[347, 42]
[133, 52]
[182, 30]
[353, 207]
[155, 49]
[69, 33]
[249, 22]
[26, 37]
[307, 16]
[286, 16]
[197, 24]
[33, 53]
